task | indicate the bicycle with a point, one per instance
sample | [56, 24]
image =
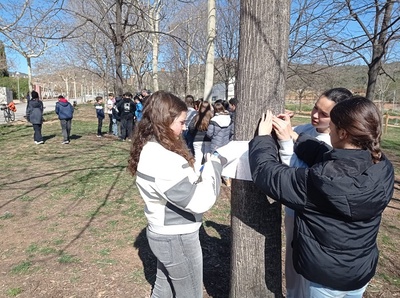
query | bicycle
[9, 111]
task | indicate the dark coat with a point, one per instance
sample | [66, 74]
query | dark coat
[338, 204]
[126, 108]
[220, 131]
[34, 112]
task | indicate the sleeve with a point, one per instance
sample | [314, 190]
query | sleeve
[310, 150]
[193, 195]
[287, 155]
[280, 182]
[210, 130]
[57, 108]
[192, 124]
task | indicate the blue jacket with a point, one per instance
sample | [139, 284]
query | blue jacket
[99, 111]
[64, 110]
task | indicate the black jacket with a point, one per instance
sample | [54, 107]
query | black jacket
[126, 108]
[338, 204]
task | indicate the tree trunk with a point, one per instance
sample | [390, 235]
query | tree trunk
[118, 48]
[155, 42]
[256, 220]
[379, 48]
[209, 76]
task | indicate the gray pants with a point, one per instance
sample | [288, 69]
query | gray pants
[66, 128]
[179, 265]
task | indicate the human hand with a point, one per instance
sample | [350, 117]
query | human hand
[283, 127]
[265, 125]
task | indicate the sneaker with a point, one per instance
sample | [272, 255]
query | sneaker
[99, 136]
[65, 142]
[37, 143]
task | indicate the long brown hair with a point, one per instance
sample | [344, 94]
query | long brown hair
[202, 118]
[361, 119]
[160, 110]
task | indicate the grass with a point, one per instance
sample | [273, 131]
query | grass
[72, 220]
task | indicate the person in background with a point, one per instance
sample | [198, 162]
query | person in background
[175, 196]
[100, 115]
[198, 131]
[112, 126]
[297, 285]
[338, 201]
[34, 114]
[139, 108]
[65, 112]
[189, 100]
[145, 95]
[117, 117]
[126, 108]
[220, 130]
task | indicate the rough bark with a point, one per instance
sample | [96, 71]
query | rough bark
[256, 220]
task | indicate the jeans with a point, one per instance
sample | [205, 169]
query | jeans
[320, 291]
[66, 128]
[114, 127]
[179, 265]
[37, 135]
[99, 126]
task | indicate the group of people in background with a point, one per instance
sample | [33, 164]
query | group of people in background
[208, 127]
[123, 112]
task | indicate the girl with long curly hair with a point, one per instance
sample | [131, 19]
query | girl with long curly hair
[175, 196]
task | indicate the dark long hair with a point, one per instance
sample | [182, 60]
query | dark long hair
[361, 119]
[337, 94]
[202, 118]
[160, 110]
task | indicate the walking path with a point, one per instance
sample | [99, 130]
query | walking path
[49, 106]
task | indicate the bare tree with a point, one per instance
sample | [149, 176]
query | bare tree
[374, 26]
[34, 32]
[227, 41]
[256, 221]
[118, 20]
[211, 32]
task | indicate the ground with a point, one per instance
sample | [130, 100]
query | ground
[72, 223]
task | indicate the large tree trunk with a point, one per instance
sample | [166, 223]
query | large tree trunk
[256, 220]
[209, 77]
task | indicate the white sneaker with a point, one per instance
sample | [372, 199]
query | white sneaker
[40, 142]
[65, 142]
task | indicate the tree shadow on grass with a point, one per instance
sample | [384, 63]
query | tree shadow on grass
[216, 259]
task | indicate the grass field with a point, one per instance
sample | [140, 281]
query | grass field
[72, 221]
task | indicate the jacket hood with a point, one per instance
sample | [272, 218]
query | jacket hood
[64, 102]
[353, 187]
[222, 120]
[35, 103]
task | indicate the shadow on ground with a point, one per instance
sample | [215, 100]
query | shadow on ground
[216, 259]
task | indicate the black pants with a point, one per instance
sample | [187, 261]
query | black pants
[110, 130]
[99, 126]
[126, 128]
[66, 128]
[37, 135]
